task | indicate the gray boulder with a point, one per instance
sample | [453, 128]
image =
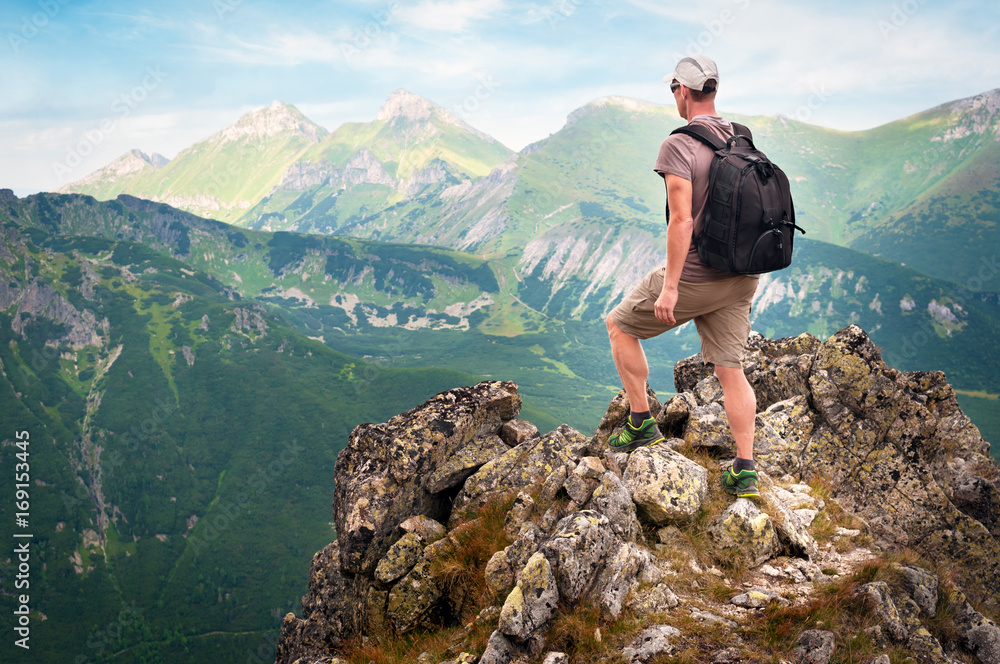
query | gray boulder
[651, 642]
[743, 531]
[519, 468]
[532, 602]
[814, 646]
[666, 486]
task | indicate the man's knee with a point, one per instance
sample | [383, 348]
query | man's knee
[611, 325]
[727, 375]
[722, 372]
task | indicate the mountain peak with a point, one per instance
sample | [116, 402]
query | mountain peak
[131, 162]
[616, 101]
[273, 120]
[407, 105]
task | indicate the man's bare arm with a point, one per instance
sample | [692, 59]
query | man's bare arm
[679, 229]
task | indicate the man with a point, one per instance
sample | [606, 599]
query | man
[686, 289]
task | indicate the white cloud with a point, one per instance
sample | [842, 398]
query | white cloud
[448, 15]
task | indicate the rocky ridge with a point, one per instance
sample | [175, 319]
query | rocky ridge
[277, 119]
[581, 529]
[402, 104]
[132, 162]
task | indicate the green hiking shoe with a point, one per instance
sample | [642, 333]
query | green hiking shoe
[742, 484]
[632, 437]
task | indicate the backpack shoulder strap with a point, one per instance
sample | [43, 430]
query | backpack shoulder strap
[710, 139]
[702, 134]
[742, 130]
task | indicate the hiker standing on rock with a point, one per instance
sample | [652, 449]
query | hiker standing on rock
[686, 289]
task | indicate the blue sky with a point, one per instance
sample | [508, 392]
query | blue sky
[97, 78]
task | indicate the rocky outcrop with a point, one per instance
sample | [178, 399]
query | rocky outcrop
[583, 527]
[39, 300]
[379, 474]
[893, 446]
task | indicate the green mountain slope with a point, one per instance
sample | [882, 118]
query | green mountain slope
[394, 170]
[221, 176]
[368, 282]
[182, 443]
[417, 174]
[411, 305]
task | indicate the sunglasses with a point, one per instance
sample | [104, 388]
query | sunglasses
[673, 87]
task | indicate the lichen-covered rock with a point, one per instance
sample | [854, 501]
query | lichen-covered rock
[921, 586]
[377, 476]
[781, 433]
[755, 598]
[577, 550]
[708, 428]
[742, 530]
[708, 390]
[983, 640]
[413, 598]
[516, 431]
[658, 599]
[612, 499]
[877, 592]
[689, 371]
[520, 512]
[519, 468]
[901, 614]
[580, 484]
[499, 650]
[427, 529]
[980, 635]
[918, 639]
[553, 483]
[979, 498]
[651, 642]
[400, 558]
[881, 439]
[666, 486]
[792, 531]
[532, 602]
[814, 646]
[619, 577]
[457, 468]
[673, 417]
[332, 608]
[501, 570]
[779, 369]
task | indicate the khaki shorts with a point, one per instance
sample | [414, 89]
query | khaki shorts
[720, 310]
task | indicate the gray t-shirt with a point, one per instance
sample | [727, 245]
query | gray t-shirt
[689, 158]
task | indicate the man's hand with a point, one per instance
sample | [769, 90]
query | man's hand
[664, 307]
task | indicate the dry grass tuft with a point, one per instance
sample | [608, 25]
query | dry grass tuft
[582, 633]
[461, 568]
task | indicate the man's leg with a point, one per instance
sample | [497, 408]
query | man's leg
[630, 360]
[741, 408]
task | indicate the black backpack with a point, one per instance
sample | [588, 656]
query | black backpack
[749, 218]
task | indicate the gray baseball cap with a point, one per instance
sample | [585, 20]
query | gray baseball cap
[693, 72]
